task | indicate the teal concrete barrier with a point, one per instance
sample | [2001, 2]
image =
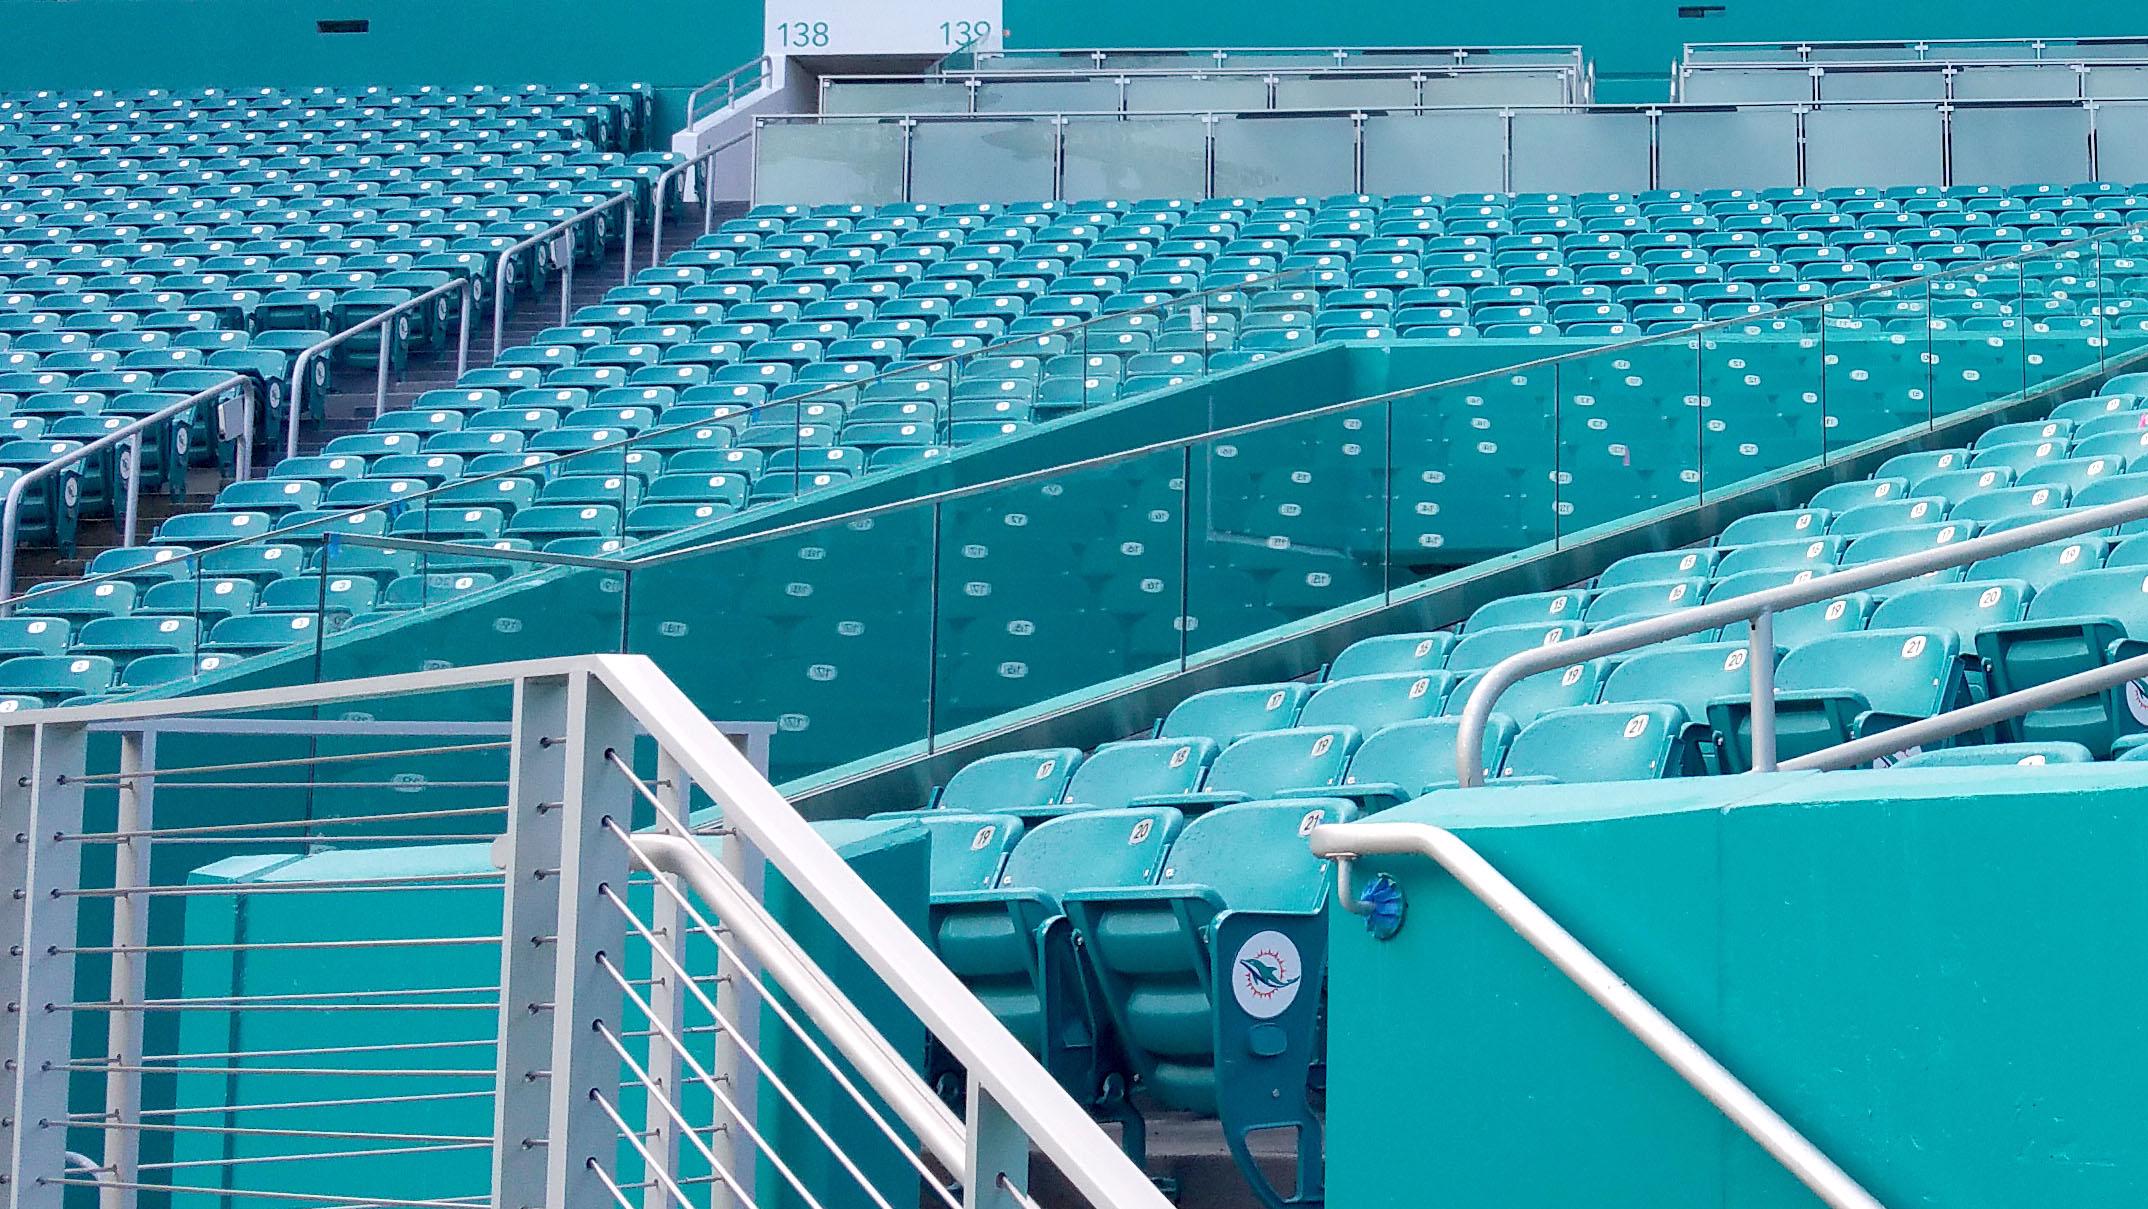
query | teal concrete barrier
[1932, 974]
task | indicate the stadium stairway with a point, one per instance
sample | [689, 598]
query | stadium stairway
[350, 403]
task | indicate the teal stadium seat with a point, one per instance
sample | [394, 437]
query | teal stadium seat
[1214, 974]
[1013, 945]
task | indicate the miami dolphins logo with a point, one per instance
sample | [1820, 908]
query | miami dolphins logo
[1266, 975]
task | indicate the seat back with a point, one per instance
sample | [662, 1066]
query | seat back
[1371, 702]
[1417, 653]
[1223, 714]
[1092, 848]
[1413, 756]
[1116, 774]
[1304, 757]
[967, 850]
[1907, 672]
[1601, 743]
[1254, 855]
[1008, 782]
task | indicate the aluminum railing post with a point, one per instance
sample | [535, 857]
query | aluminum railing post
[133, 466]
[527, 851]
[384, 339]
[566, 275]
[1761, 661]
[499, 307]
[18, 747]
[582, 1140]
[300, 367]
[462, 341]
[998, 1154]
[129, 982]
[738, 999]
[50, 924]
[667, 1002]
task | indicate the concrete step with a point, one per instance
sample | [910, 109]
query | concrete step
[1190, 1162]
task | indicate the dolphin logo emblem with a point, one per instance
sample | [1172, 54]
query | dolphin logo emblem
[1266, 973]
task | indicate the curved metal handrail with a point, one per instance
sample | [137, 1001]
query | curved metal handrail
[11, 510]
[567, 227]
[758, 69]
[703, 183]
[304, 360]
[1344, 842]
[1759, 608]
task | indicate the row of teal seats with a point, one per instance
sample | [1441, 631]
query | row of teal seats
[1150, 963]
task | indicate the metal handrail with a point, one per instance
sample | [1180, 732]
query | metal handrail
[1953, 723]
[761, 817]
[760, 69]
[304, 360]
[1759, 608]
[1459, 54]
[985, 76]
[11, 510]
[566, 286]
[703, 183]
[909, 370]
[1920, 45]
[1506, 107]
[1344, 842]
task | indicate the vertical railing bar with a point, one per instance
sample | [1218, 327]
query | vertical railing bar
[130, 869]
[1761, 661]
[528, 847]
[667, 945]
[50, 922]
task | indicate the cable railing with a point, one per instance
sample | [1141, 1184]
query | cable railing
[527, 977]
[1345, 843]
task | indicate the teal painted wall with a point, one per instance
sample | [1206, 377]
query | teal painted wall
[675, 44]
[1930, 974]
[681, 43]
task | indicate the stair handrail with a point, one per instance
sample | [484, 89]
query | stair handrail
[1954, 723]
[1345, 842]
[11, 510]
[702, 185]
[733, 83]
[569, 227]
[1759, 609]
[304, 360]
[588, 702]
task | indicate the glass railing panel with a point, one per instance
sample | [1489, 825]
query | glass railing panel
[1876, 377]
[826, 630]
[1629, 429]
[1284, 522]
[1763, 385]
[1056, 583]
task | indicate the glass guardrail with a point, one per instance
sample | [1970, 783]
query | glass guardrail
[890, 628]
